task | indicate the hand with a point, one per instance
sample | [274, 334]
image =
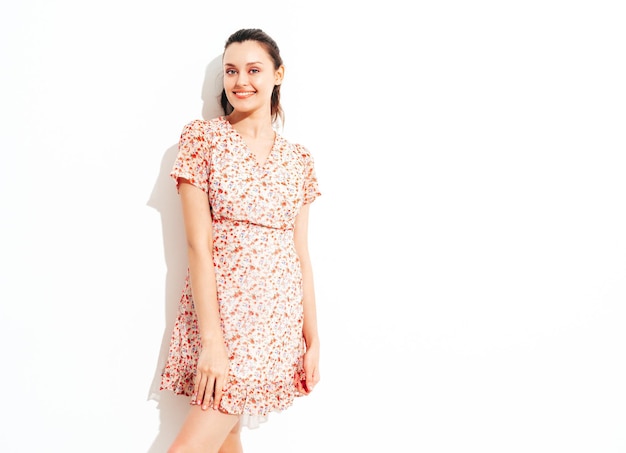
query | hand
[311, 369]
[211, 375]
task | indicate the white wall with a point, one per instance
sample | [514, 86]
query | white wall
[469, 247]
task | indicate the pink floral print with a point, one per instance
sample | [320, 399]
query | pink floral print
[259, 281]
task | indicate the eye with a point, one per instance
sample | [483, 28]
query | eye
[254, 71]
[230, 71]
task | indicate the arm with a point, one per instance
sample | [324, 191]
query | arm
[213, 360]
[309, 329]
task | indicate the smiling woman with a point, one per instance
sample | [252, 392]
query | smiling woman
[252, 58]
[245, 342]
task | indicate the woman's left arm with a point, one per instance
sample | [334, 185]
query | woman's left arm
[309, 329]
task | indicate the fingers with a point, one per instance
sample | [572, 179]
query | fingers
[199, 388]
[219, 390]
[305, 382]
[301, 387]
[207, 391]
[312, 378]
[208, 394]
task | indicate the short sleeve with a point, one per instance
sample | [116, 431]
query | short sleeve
[311, 188]
[192, 161]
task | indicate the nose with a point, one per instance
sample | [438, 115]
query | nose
[242, 79]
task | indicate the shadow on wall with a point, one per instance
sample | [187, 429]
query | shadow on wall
[173, 408]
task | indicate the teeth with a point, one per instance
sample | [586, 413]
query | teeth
[244, 93]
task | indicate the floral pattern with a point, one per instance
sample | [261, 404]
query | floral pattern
[259, 282]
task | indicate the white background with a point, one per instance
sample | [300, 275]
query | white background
[469, 246]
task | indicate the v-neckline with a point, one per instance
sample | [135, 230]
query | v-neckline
[249, 152]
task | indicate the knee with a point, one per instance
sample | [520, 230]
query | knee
[175, 448]
[236, 429]
[232, 443]
[178, 447]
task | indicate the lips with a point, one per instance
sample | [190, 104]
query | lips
[243, 94]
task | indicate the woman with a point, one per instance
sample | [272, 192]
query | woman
[245, 341]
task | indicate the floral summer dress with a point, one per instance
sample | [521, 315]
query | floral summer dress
[259, 282]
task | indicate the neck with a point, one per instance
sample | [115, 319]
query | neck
[252, 125]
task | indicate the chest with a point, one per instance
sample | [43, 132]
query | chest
[241, 186]
[258, 148]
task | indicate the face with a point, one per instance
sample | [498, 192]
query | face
[249, 76]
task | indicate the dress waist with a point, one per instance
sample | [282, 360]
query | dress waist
[248, 223]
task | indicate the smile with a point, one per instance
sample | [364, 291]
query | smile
[243, 94]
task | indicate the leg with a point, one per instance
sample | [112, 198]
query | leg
[232, 444]
[203, 431]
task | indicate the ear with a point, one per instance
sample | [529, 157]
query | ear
[279, 74]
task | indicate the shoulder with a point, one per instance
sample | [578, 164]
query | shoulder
[305, 156]
[297, 149]
[201, 127]
[208, 132]
[303, 151]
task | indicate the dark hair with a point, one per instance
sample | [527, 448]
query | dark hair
[258, 35]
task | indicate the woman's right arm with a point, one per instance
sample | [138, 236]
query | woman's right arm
[213, 362]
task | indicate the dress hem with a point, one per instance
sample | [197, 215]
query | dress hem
[250, 421]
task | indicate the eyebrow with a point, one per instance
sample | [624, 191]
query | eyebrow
[247, 64]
